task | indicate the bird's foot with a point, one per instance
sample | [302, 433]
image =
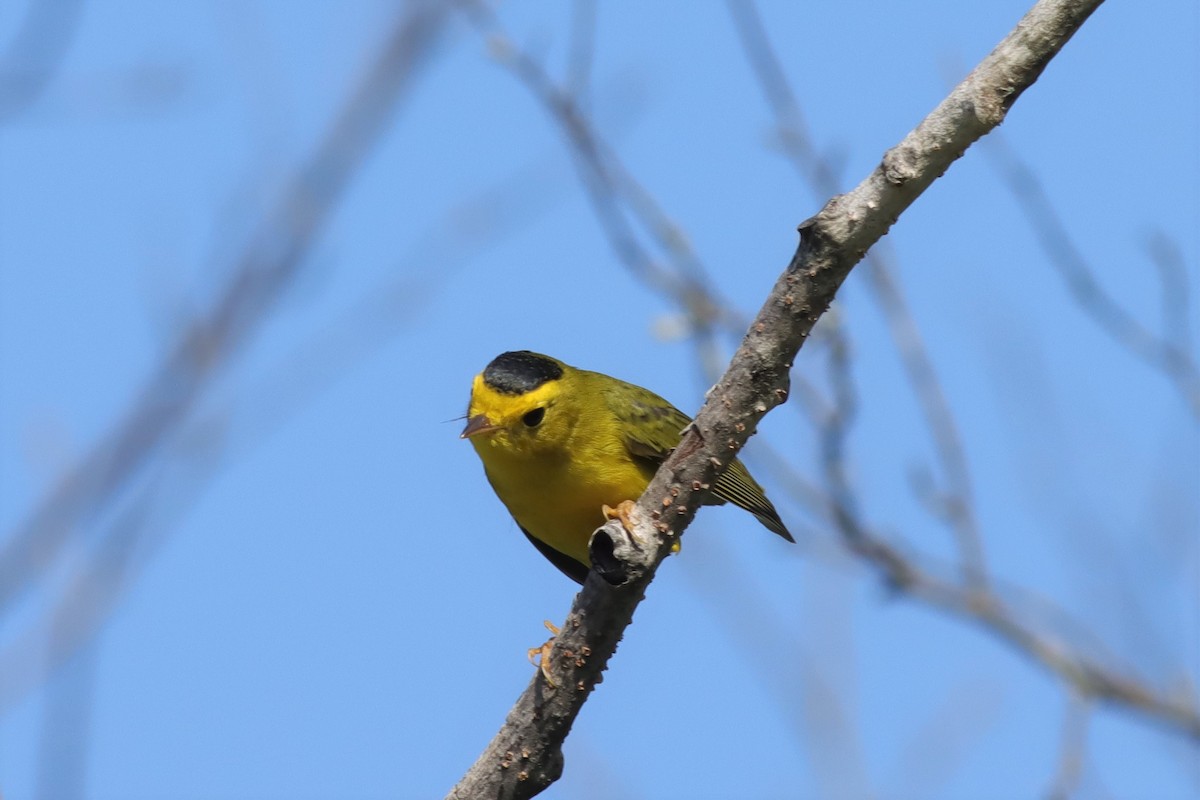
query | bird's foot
[623, 513]
[542, 653]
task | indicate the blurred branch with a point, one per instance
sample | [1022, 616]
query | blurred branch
[1085, 675]
[526, 755]
[790, 126]
[210, 342]
[942, 742]
[1164, 353]
[582, 50]
[975, 599]
[916, 577]
[813, 699]
[834, 429]
[1165, 254]
[79, 611]
[594, 161]
[94, 587]
[620, 204]
[615, 192]
[1072, 748]
[36, 53]
[957, 504]
[66, 723]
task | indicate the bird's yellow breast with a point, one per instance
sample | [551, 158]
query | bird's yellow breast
[556, 489]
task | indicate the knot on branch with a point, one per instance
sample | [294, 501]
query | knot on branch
[899, 165]
[814, 232]
[616, 556]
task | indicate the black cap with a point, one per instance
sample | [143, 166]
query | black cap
[520, 371]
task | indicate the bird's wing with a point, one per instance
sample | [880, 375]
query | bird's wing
[739, 488]
[652, 428]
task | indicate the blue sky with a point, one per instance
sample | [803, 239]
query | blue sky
[327, 601]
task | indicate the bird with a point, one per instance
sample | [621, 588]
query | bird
[561, 446]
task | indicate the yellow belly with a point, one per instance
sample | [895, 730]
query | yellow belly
[558, 499]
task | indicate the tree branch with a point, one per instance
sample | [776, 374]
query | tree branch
[955, 504]
[526, 755]
[1166, 353]
[211, 341]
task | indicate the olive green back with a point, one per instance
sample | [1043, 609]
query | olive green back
[653, 428]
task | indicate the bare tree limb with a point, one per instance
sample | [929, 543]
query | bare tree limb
[526, 755]
[956, 503]
[1086, 676]
[1164, 353]
[212, 438]
[914, 576]
[622, 205]
[212, 340]
[972, 599]
[582, 50]
[903, 571]
[1164, 252]
[1072, 748]
[36, 53]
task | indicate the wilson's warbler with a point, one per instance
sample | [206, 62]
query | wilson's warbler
[559, 444]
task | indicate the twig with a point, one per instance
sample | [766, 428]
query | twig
[913, 576]
[212, 340]
[36, 53]
[957, 507]
[813, 696]
[1169, 357]
[834, 429]
[1072, 748]
[1084, 675]
[836, 504]
[90, 594]
[583, 46]
[66, 723]
[526, 755]
[613, 191]
[597, 172]
[790, 125]
[957, 500]
[1165, 254]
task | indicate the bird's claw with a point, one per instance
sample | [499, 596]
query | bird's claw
[622, 513]
[540, 656]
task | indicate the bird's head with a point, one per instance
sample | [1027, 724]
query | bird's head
[517, 403]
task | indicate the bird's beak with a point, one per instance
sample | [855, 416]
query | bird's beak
[477, 424]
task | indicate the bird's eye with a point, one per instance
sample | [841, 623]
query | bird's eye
[534, 418]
